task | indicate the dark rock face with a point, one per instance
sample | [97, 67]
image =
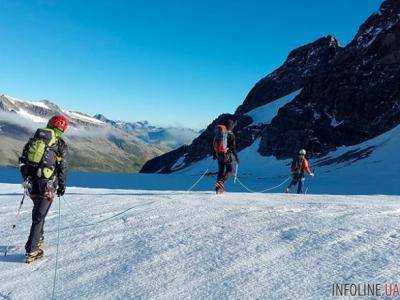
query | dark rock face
[356, 98]
[299, 66]
[348, 95]
[201, 146]
[293, 74]
[165, 162]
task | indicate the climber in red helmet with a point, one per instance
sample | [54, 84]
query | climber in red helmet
[43, 166]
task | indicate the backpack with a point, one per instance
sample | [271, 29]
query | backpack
[221, 140]
[39, 144]
[296, 166]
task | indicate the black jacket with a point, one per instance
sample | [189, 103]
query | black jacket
[58, 157]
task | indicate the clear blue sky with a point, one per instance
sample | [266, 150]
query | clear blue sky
[168, 62]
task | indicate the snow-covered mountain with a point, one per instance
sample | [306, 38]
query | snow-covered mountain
[170, 137]
[323, 98]
[96, 143]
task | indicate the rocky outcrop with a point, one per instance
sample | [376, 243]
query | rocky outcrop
[348, 95]
[356, 98]
[299, 66]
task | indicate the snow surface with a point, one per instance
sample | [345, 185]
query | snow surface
[83, 117]
[198, 245]
[30, 116]
[264, 114]
[38, 103]
[179, 163]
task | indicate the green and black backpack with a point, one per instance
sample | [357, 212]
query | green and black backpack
[37, 154]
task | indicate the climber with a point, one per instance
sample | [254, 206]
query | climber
[299, 167]
[224, 151]
[43, 166]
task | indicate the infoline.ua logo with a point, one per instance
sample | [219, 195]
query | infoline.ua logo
[366, 290]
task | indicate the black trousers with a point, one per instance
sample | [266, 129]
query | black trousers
[225, 169]
[299, 180]
[41, 206]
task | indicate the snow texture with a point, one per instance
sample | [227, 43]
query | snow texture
[198, 245]
[84, 118]
[179, 163]
[264, 114]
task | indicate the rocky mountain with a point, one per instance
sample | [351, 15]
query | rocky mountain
[96, 143]
[323, 97]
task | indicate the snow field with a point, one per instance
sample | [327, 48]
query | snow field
[198, 245]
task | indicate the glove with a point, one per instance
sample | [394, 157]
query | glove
[27, 184]
[312, 174]
[61, 191]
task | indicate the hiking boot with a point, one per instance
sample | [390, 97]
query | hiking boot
[34, 255]
[219, 187]
[40, 244]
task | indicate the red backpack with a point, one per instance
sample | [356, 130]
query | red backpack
[221, 139]
[297, 165]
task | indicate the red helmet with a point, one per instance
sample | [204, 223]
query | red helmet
[60, 122]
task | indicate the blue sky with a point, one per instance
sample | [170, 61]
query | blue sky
[168, 62]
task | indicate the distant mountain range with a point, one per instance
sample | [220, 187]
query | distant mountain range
[96, 142]
[323, 97]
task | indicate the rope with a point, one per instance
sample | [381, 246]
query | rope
[57, 251]
[128, 209]
[236, 173]
[200, 178]
[263, 191]
[100, 221]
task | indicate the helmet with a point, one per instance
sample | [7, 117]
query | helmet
[302, 152]
[59, 122]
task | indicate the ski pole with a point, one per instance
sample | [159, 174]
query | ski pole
[236, 173]
[16, 218]
[305, 193]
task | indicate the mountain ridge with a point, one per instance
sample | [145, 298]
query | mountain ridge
[97, 143]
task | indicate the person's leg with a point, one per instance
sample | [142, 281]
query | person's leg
[300, 185]
[39, 212]
[228, 171]
[292, 183]
[219, 183]
[221, 170]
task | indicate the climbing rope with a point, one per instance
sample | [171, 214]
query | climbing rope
[102, 220]
[57, 250]
[265, 190]
[200, 178]
[128, 209]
